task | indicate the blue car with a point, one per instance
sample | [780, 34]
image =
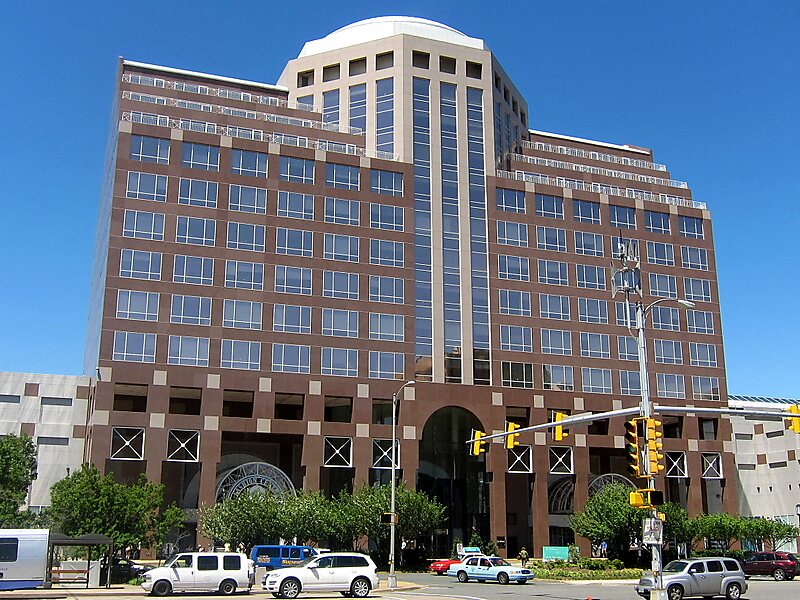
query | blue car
[488, 568]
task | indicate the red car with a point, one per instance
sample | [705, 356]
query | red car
[440, 565]
[780, 565]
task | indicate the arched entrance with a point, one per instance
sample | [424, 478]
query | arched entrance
[458, 480]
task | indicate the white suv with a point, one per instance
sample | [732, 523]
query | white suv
[350, 573]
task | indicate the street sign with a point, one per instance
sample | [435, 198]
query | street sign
[652, 532]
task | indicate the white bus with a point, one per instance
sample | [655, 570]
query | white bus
[23, 558]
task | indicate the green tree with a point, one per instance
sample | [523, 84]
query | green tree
[773, 531]
[247, 518]
[677, 525]
[719, 527]
[18, 460]
[608, 516]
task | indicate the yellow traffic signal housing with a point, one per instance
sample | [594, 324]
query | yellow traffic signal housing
[632, 448]
[560, 433]
[646, 498]
[478, 443]
[637, 500]
[654, 446]
[511, 438]
[794, 422]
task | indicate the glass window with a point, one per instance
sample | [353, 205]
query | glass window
[670, 386]
[702, 355]
[131, 346]
[660, 253]
[585, 211]
[139, 264]
[330, 107]
[384, 115]
[137, 306]
[143, 225]
[342, 176]
[595, 345]
[596, 381]
[516, 338]
[244, 275]
[9, 549]
[340, 323]
[697, 289]
[385, 216]
[627, 347]
[295, 205]
[194, 230]
[516, 374]
[691, 227]
[549, 206]
[231, 563]
[149, 149]
[358, 106]
[190, 310]
[630, 383]
[340, 284]
[552, 306]
[341, 247]
[513, 267]
[291, 319]
[194, 270]
[343, 212]
[299, 170]
[547, 238]
[240, 354]
[515, 302]
[195, 192]
[294, 242]
[386, 327]
[665, 317]
[241, 314]
[385, 289]
[553, 272]
[146, 186]
[622, 216]
[694, 258]
[510, 200]
[591, 310]
[668, 352]
[247, 199]
[628, 319]
[188, 351]
[556, 341]
[386, 182]
[656, 222]
[341, 362]
[629, 245]
[591, 277]
[200, 156]
[512, 234]
[557, 377]
[665, 286]
[700, 321]
[386, 253]
[705, 388]
[292, 280]
[590, 244]
[386, 365]
[246, 236]
[247, 162]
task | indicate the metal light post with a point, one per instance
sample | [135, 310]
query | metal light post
[393, 524]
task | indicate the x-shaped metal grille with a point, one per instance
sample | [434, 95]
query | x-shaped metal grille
[676, 464]
[183, 445]
[561, 460]
[338, 452]
[712, 466]
[520, 459]
[127, 443]
[382, 454]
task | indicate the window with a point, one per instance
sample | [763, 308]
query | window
[195, 192]
[590, 244]
[512, 234]
[207, 563]
[330, 101]
[515, 302]
[629, 318]
[694, 258]
[516, 338]
[421, 60]
[194, 230]
[622, 217]
[340, 323]
[143, 225]
[240, 354]
[127, 443]
[556, 341]
[241, 314]
[231, 563]
[711, 464]
[585, 211]
[702, 355]
[190, 310]
[517, 374]
[247, 199]
[299, 170]
[384, 216]
[385, 289]
[341, 247]
[292, 280]
[146, 186]
[386, 253]
[342, 362]
[134, 347]
[627, 348]
[341, 176]
[595, 345]
[665, 318]
[386, 182]
[553, 272]
[670, 386]
[697, 289]
[557, 377]
[691, 227]
[337, 452]
[294, 242]
[591, 277]
[705, 388]
[291, 319]
[591, 310]
[188, 351]
[547, 238]
[549, 206]
[700, 321]
[665, 286]
[247, 162]
[620, 245]
[676, 467]
[200, 156]
[149, 149]
[295, 205]
[246, 236]
[386, 365]
[183, 446]
[390, 328]
[660, 253]
[244, 275]
[656, 222]
[194, 270]
[668, 352]
[515, 268]
[358, 100]
[630, 383]
[384, 60]
[384, 115]
[343, 212]
[340, 284]
[596, 381]
[137, 306]
[552, 306]
[510, 200]
[139, 264]
[9, 549]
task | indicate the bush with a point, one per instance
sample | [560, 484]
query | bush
[737, 554]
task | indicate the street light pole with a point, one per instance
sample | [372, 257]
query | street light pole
[392, 584]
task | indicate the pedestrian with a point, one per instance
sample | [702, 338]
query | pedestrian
[603, 549]
[523, 557]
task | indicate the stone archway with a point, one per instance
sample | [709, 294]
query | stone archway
[562, 491]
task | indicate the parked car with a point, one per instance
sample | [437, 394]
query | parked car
[440, 565]
[780, 565]
[122, 570]
[707, 577]
[488, 568]
[349, 573]
[223, 572]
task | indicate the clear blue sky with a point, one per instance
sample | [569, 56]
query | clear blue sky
[711, 86]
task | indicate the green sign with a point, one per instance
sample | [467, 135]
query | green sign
[555, 553]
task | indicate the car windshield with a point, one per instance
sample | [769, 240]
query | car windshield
[676, 566]
[498, 562]
[306, 561]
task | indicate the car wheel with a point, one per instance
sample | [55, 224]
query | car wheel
[360, 588]
[290, 588]
[161, 588]
[463, 577]
[502, 578]
[779, 574]
[733, 591]
[675, 592]
[227, 587]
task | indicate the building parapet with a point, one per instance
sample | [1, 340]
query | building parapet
[592, 155]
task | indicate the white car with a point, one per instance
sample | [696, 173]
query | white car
[350, 573]
[223, 572]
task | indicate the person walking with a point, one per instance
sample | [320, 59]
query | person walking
[523, 557]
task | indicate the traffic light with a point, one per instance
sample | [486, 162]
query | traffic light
[560, 433]
[511, 438]
[654, 446]
[478, 443]
[646, 498]
[794, 422]
[389, 518]
[637, 499]
[632, 448]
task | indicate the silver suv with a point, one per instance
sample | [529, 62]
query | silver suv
[350, 573]
[707, 577]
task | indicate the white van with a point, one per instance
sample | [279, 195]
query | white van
[23, 558]
[223, 572]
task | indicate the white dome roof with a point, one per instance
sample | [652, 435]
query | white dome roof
[377, 28]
